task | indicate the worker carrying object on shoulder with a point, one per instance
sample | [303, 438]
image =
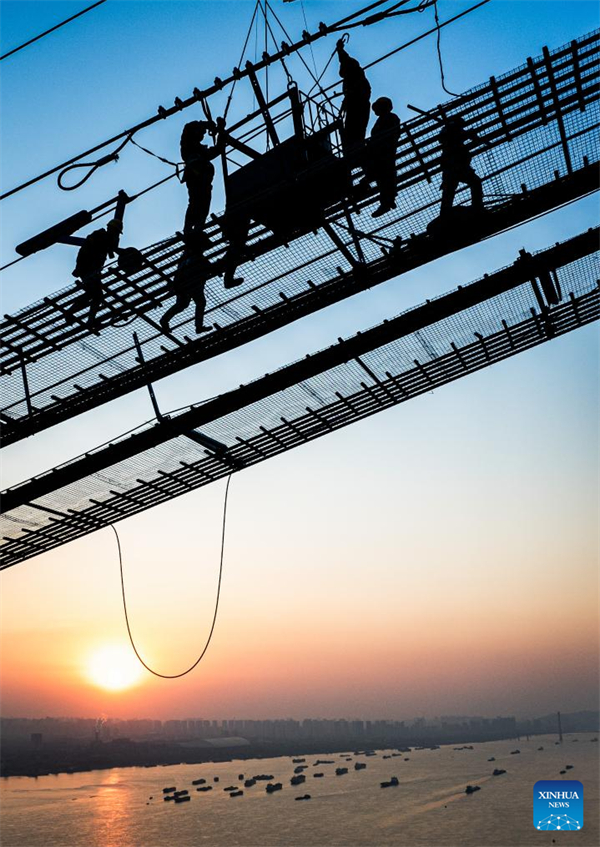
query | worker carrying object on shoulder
[356, 102]
[455, 162]
[380, 155]
[95, 249]
[198, 174]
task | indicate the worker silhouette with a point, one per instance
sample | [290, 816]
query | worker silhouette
[380, 155]
[93, 252]
[357, 99]
[198, 175]
[188, 284]
[456, 165]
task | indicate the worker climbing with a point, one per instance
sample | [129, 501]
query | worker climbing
[455, 162]
[188, 284]
[94, 250]
[380, 156]
[357, 99]
[198, 175]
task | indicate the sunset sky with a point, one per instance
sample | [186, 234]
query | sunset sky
[438, 558]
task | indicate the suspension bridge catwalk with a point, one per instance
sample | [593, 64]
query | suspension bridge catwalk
[538, 298]
[539, 123]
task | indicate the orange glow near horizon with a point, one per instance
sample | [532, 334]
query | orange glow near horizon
[113, 667]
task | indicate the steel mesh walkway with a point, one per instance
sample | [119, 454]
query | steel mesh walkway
[540, 120]
[443, 340]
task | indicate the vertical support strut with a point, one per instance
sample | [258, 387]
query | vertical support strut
[354, 233]
[339, 243]
[537, 89]
[297, 117]
[559, 117]
[262, 104]
[25, 383]
[499, 107]
[149, 386]
[416, 151]
[577, 74]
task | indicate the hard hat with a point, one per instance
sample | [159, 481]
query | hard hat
[385, 102]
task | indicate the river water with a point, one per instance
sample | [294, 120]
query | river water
[429, 808]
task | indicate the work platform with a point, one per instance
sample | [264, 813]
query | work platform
[540, 124]
[536, 299]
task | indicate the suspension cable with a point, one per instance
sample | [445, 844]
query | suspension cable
[239, 64]
[214, 620]
[52, 29]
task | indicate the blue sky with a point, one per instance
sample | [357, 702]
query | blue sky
[500, 458]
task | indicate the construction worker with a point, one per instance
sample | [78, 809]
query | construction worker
[357, 98]
[456, 166]
[380, 158]
[198, 174]
[188, 284]
[93, 252]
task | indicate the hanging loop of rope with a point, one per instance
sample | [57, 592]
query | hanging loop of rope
[214, 620]
[439, 50]
[93, 166]
[110, 157]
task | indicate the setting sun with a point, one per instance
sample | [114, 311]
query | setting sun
[114, 668]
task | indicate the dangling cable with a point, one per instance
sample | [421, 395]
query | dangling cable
[439, 51]
[214, 620]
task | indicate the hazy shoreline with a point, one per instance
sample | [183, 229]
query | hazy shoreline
[98, 756]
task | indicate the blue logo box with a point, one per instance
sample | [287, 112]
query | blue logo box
[558, 804]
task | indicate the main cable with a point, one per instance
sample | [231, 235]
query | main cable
[214, 620]
[52, 29]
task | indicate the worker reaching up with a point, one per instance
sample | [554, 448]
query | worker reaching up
[357, 99]
[455, 162]
[198, 174]
[380, 158]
